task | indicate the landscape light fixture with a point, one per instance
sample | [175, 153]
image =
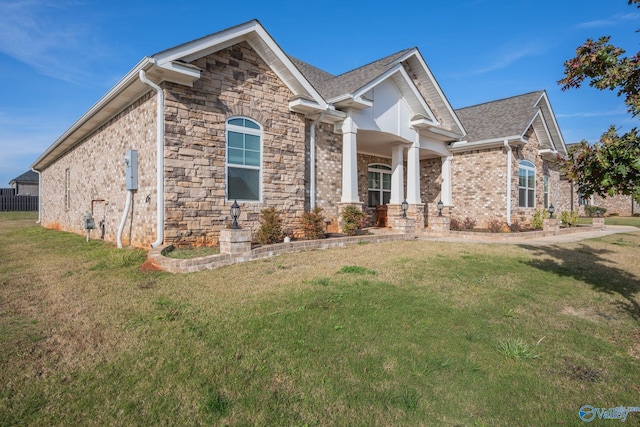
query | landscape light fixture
[598, 213]
[405, 206]
[440, 207]
[235, 213]
[551, 210]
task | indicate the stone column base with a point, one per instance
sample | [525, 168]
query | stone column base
[416, 211]
[551, 224]
[599, 223]
[441, 224]
[235, 241]
[405, 226]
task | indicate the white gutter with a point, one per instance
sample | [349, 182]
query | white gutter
[312, 160]
[509, 160]
[159, 160]
[39, 195]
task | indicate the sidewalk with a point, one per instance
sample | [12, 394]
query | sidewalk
[547, 240]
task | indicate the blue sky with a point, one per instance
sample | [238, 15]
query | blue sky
[58, 57]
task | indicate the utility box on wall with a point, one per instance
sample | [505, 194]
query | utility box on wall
[131, 161]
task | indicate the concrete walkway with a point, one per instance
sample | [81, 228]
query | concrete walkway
[547, 240]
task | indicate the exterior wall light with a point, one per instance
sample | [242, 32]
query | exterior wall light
[598, 213]
[440, 207]
[551, 210]
[405, 206]
[235, 213]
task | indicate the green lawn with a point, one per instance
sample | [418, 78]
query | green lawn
[403, 333]
[615, 220]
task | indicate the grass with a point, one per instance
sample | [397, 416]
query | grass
[402, 333]
[193, 252]
[614, 220]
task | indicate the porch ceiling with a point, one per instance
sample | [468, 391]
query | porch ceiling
[380, 144]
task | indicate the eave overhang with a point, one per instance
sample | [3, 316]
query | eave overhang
[460, 146]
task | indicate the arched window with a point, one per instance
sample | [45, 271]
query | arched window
[379, 185]
[527, 185]
[244, 154]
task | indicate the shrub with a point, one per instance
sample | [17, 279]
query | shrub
[569, 219]
[270, 227]
[469, 223]
[352, 220]
[461, 225]
[494, 225]
[313, 224]
[590, 211]
[538, 219]
[515, 227]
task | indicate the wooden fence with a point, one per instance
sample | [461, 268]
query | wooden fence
[11, 202]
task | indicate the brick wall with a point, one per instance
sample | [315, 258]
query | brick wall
[479, 184]
[97, 172]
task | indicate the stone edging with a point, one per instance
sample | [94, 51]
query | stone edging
[191, 265]
[172, 265]
[505, 237]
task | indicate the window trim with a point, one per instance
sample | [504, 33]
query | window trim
[246, 131]
[67, 188]
[379, 168]
[529, 167]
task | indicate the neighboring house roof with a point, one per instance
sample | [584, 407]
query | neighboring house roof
[29, 177]
[510, 119]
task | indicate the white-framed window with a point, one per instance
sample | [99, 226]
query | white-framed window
[67, 188]
[545, 183]
[526, 184]
[244, 159]
[379, 184]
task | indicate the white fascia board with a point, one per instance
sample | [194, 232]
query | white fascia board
[487, 143]
[398, 68]
[546, 130]
[145, 64]
[418, 56]
[554, 121]
[291, 68]
[204, 46]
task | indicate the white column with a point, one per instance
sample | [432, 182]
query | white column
[413, 174]
[349, 162]
[397, 175]
[445, 187]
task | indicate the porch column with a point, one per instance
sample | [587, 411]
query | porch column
[445, 187]
[397, 175]
[349, 162]
[413, 174]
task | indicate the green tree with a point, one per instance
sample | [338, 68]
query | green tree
[611, 166]
[604, 65]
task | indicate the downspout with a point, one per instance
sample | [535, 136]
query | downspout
[312, 161]
[40, 195]
[509, 160]
[127, 206]
[159, 160]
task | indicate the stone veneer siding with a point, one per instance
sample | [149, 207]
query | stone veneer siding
[97, 172]
[234, 82]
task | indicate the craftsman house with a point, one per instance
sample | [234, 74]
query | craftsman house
[162, 156]
[505, 168]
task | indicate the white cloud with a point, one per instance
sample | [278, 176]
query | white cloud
[45, 36]
[587, 114]
[608, 22]
[509, 54]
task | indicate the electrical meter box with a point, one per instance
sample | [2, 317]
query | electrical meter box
[131, 162]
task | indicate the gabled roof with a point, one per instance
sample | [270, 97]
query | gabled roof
[27, 177]
[510, 119]
[352, 84]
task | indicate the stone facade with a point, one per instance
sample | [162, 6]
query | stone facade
[96, 172]
[234, 82]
